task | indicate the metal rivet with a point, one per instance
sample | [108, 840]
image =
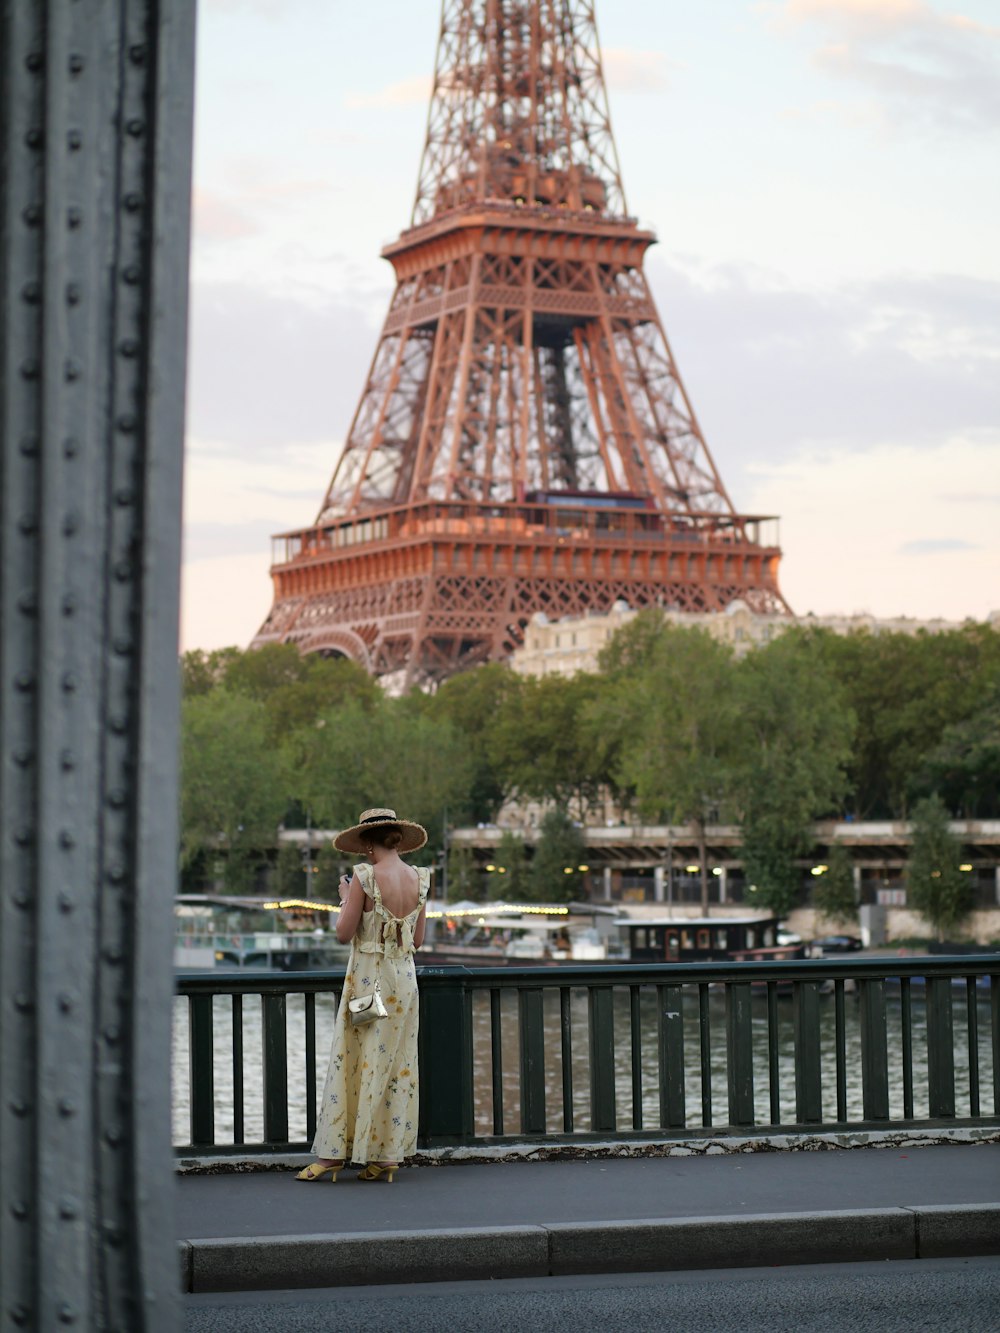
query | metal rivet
[135, 128]
[118, 724]
[74, 140]
[20, 1314]
[21, 899]
[137, 54]
[24, 681]
[113, 1235]
[74, 216]
[27, 603]
[65, 1003]
[132, 202]
[23, 1002]
[72, 293]
[32, 292]
[19, 1107]
[76, 63]
[122, 646]
[113, 955]
[29, 445]
[66, 904]
[34, 139]
[112, 1035]
[128, 347]
[69, 682]
[123, 571]
[71, 446]
[127, 424]
[72, 370]
[116, 874]
[117, 798]
[67, 761]
[32, 215]
[131, 275]
[124, 497]
[71, 523]
[68, 604]
[29, 370]
[68, 1209]
[33, 60]
[27, 524]
[67, 1315]
[67, 1107]
[23, 757]
[20, 1209]
[113, 1136]
[66, 839]
[24, 835]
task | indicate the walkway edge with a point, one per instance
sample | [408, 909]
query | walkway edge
[269, 1263]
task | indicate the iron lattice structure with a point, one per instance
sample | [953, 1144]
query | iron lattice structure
[524, 442]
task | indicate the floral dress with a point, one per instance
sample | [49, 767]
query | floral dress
[371, 1099]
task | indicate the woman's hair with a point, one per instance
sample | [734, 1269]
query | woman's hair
[388, 836]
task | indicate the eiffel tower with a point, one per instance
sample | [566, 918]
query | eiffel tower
[524, 442]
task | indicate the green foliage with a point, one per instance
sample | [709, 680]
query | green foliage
[795, 740]
[964, 766]
[289, 872]
[202, 671]
[934, 884]
[514, 883]
[833, 896]
[329, 868]
[233, 781]
[464, 878]
[482, 706]
[559, 851]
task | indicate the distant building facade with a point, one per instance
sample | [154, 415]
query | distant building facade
[563, 647]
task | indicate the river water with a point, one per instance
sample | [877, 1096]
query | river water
[483, 1088]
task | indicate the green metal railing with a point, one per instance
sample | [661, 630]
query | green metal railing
[539, 1053]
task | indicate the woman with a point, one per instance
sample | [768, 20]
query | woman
[370, 1102]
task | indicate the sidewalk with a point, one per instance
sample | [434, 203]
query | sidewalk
[266, 1231]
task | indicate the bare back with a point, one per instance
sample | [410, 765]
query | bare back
[398, 884]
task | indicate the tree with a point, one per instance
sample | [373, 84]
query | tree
[234, 781]
[477, 705]
[512, 856]
[202, 671]
[676, 729]
[834, 897]
[289, 873]
[559, 850]
[795, 741]
[935, 885]
[329, 868]
[964, 766]
[464, 879]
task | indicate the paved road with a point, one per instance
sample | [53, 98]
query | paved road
[939, 1296]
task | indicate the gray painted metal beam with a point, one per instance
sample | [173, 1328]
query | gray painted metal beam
[95, 145]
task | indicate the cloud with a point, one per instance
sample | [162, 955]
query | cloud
[267, 368]
[936, 546]
[771, 369]
[926, 69]
[630, 71]
[215, 218]
[414, 91]
[853, 519]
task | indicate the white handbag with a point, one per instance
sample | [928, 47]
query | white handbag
[366, 1008]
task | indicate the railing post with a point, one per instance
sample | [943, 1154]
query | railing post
[531, 1012]
[874, 1051]
[600, 1008]
[940, 1049]
[808, 1076]
[446, 1106]
[670, 1023]
[739, 1053]
[275, 1065]
[202, 1080]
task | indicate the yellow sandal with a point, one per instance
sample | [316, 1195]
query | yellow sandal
[316, 1171]
[376, 1170]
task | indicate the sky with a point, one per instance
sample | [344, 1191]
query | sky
[822, 177]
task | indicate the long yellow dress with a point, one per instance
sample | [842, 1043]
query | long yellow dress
[371, 1097]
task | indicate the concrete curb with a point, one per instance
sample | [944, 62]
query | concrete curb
[268, 1263]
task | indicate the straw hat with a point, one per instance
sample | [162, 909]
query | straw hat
[353, 839]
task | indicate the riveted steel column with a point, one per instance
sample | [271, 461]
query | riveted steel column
[95, 135]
